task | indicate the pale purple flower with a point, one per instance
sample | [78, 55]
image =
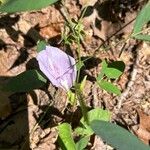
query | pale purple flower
[59, 67]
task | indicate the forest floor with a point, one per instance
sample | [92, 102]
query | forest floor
[107, 24]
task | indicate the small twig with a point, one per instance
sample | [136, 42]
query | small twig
[103, 43]
[130, 83]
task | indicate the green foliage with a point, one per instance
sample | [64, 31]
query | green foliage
[111, 70]
[65, 132]
[82, 143]
[74, 32]
[97, 114]
[114, 69]
[82, 84]
[71, 97]
[94, 114]
[84, 131]
[142, 19]
[24, 82]
[41, 45]
[109, 87]
[65, 135]
[79, 65]
[117, 136]
[104, 66]
[11, 6]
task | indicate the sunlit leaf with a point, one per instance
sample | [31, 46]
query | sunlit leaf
[142, 19]
[83, 131]
[65, 135]
[94, 114]
[101, 74]
[82, 143]
[97, 114]
[143, 37]
[109, 87]
[114, 69]
[71, 97]
[82, 85]
[79, 65]
[11, 6]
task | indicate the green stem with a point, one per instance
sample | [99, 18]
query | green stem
[78, 91]
[76, 34]
[82, 105]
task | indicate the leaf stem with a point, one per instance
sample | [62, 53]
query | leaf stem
[78, 91]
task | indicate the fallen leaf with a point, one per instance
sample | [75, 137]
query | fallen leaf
[51, 30]
[87, 2]
[144, 127]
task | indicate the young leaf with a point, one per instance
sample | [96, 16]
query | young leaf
[41, 45]
[142, 19]
[83, 131]
[65, 134]
[25, 82]
[97, 114]
[114, 69]
[71, 97]
[104, 66]
[109, 87]
[117, 136]
[11, 6]
[94, 114]
[79, 65]
[82, 85]
[82, 143]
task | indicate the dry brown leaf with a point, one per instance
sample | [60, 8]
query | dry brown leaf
[51, 31]
[144, 127]
[87, 2]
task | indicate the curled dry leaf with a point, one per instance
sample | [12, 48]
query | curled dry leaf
[51, 30]
[144, 127]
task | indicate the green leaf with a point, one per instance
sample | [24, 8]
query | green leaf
[71, 97]
[65, 134]
[82, 143]
[82, 85]
[83, 131]
[41, 45]
[97, 114]
[11, 6]
[94, 114]
[117, 136]
[24, 82]
[104, 66]
[79, 65]
[142, 19]
[109, 87]
[143, 37]
[114, 69]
